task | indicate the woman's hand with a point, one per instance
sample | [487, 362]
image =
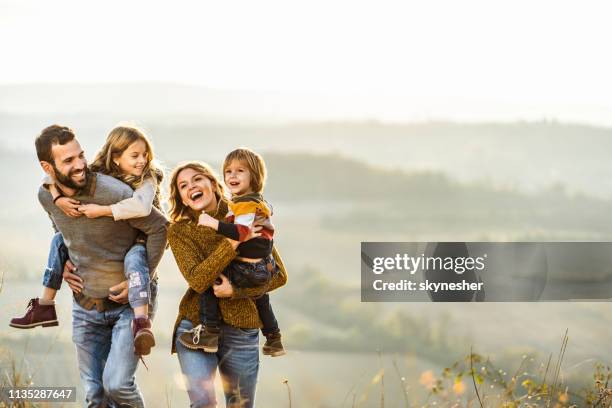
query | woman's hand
[223, 289]
[206, 220]
[69, 206]
[95, 210]
[74, 281]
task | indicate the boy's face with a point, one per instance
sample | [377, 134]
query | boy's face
[237, 178]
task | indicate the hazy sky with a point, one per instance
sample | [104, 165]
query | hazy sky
[442, 59]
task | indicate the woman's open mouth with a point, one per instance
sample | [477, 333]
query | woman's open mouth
[196, 195]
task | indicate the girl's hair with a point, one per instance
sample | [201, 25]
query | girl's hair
[255, 164]
[178, 210]
[118, 140]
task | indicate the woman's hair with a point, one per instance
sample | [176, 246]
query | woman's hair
[118, 140]
[178, 210]
[255, 164]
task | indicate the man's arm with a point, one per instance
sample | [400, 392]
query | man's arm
[155, 227]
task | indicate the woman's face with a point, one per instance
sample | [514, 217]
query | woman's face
[196, 190]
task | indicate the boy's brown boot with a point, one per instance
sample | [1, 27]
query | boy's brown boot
[143, 336]
[273, 346]
[201, 338]
[36, 315]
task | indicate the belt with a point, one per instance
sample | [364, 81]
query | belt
[101, 304]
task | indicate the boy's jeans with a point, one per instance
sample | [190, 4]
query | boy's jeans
[136, 267]
[105, 354]
[237, 360]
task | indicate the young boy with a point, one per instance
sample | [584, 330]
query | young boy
[244, 173]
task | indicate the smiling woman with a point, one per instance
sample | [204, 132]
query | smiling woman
[202, 255]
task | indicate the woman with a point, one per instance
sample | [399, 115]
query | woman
[201, 256]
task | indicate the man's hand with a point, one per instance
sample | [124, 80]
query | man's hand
[95, 210]
[74, 281]
[119, 292]
[206, 220]
[224, 289]
[69, 206]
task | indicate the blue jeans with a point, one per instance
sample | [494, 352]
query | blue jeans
[58, 255]
[238, 362]
[136, 267]
[105, 354]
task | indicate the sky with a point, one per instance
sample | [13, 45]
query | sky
[424, 59]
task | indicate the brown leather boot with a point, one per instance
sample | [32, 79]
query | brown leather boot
[143, 336]
[201, 338]
[36, 315]
[273, 346]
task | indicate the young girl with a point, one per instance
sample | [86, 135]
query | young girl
[244, 173]
[127, 155]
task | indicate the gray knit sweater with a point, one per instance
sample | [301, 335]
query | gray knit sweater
[97, 246]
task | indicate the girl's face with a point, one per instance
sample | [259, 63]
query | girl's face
[133, 159]
[196, 190]
[237, 178]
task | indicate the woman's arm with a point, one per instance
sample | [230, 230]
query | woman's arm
[199, 272]
[278, 280]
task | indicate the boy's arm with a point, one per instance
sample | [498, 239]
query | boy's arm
[239, 230]
[199, 272]
[278, 280]
[139, 205]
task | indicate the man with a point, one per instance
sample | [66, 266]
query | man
[102, 320]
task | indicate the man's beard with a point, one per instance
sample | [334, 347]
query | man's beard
[66, 179]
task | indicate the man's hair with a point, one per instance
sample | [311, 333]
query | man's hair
[50, 136]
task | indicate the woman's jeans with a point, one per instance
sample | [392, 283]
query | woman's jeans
[136, 269]
[105, 354]
[238, 362]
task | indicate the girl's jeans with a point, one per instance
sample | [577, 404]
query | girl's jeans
[136, 268]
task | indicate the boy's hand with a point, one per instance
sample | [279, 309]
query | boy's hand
[206, 220]
[69, 206]
[95, 210]
[74, 281]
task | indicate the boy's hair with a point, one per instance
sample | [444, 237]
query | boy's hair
[118, 140]
[255, 164]
[50, 136]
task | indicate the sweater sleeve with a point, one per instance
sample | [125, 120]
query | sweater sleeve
[199, 272]
[139, 205]
[278, 280]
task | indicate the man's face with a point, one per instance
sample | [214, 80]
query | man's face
[69, 165]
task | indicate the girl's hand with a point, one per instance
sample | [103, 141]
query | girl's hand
[223, 289]
[95, 210]
[206, 220]
[69, 206]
